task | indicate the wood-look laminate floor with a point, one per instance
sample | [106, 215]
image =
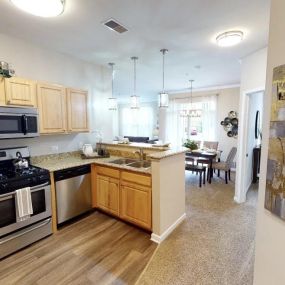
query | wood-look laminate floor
[95, 250]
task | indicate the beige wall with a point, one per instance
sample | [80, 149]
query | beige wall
[270, 234]
[38, 63]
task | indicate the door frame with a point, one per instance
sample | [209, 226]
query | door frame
[240, 185]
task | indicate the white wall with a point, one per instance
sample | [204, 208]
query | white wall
[253, 75]
[38, 63]
[228, 100]
[270, 234]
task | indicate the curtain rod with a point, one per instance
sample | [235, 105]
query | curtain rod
[187, 97]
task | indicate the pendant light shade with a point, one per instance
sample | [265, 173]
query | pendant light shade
[135, 100]
[41, 8]
[112, 101]
[163, 100]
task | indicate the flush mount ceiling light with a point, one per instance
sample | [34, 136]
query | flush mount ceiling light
[112, 101]
[229, 38]
[163, 96]
[135, 102]
[42, 8]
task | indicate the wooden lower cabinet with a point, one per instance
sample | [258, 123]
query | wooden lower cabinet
[124, 194]
[136, 204]
[108, 194]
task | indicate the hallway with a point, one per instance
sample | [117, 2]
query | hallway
[214, 245]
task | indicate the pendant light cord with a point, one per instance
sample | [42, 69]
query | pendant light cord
[112, 81]
[135, 76]
[135, 58]
[163, 62]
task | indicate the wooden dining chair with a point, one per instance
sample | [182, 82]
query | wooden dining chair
[226, 165]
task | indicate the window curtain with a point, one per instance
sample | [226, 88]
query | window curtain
[137, 122]
[209, 118]
[178, 128]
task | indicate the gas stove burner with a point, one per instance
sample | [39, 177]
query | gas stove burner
[3, 177]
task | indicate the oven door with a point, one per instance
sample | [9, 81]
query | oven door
[9, 219]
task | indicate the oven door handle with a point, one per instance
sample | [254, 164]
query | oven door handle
[33, 189]
[24, 232]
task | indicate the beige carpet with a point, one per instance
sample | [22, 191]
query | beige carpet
[214, 245]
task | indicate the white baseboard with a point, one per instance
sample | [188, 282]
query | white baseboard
[158, 239]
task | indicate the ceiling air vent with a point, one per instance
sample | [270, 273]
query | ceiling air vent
[115, 26]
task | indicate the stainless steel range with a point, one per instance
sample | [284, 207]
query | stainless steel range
[16, 173]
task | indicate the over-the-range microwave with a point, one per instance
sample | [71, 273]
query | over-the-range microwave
[18, 122]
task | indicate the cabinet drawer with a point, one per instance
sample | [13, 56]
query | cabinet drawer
[136, 178]
[110, 172]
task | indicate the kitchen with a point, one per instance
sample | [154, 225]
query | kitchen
[80, 203]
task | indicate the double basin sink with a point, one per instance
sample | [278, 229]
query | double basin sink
[132, 162]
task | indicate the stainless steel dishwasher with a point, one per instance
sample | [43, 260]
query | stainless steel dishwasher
[73, 192]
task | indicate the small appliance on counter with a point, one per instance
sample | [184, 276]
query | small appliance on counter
[16, 175]
[87, 151]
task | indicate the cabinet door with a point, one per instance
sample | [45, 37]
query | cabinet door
[136, 204]
[108, 194]
[20, 91]
[52, 108]
[103, 192]
[114, 196]
[77, 110]
[2, 92]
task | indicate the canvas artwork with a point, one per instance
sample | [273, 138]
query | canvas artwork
[275, 180]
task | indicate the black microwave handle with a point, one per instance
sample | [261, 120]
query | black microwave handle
[25, 124]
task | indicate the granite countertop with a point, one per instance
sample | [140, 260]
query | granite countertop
[171, 152]
[61, 161]
[146, 146]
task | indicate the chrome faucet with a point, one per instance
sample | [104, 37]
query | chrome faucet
[140, 153]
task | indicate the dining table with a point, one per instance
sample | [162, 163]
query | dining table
[209, 155]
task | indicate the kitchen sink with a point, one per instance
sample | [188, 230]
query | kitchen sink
[124, 161]
[140, 164]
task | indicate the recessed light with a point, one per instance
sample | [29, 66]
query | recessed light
[229, 38]
[42, 8]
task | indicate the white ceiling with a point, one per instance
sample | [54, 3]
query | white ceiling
[186, 27]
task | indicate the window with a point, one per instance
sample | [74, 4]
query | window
[179, 128]
[137, 122]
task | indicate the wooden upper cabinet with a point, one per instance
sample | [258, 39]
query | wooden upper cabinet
[52, 108]
[20, 92]
[77, 110]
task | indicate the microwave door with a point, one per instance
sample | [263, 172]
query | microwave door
[11, 126]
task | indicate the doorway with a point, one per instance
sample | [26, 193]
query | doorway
[249, 143]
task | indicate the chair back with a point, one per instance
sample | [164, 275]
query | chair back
[211, 145]
[231, 156]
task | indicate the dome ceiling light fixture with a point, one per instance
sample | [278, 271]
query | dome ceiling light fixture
[163, 100]
[229, 38]
[41, 8]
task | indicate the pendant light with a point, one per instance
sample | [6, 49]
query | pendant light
[112, 101]
[135, 102]
[191, 112]
[163, 96]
